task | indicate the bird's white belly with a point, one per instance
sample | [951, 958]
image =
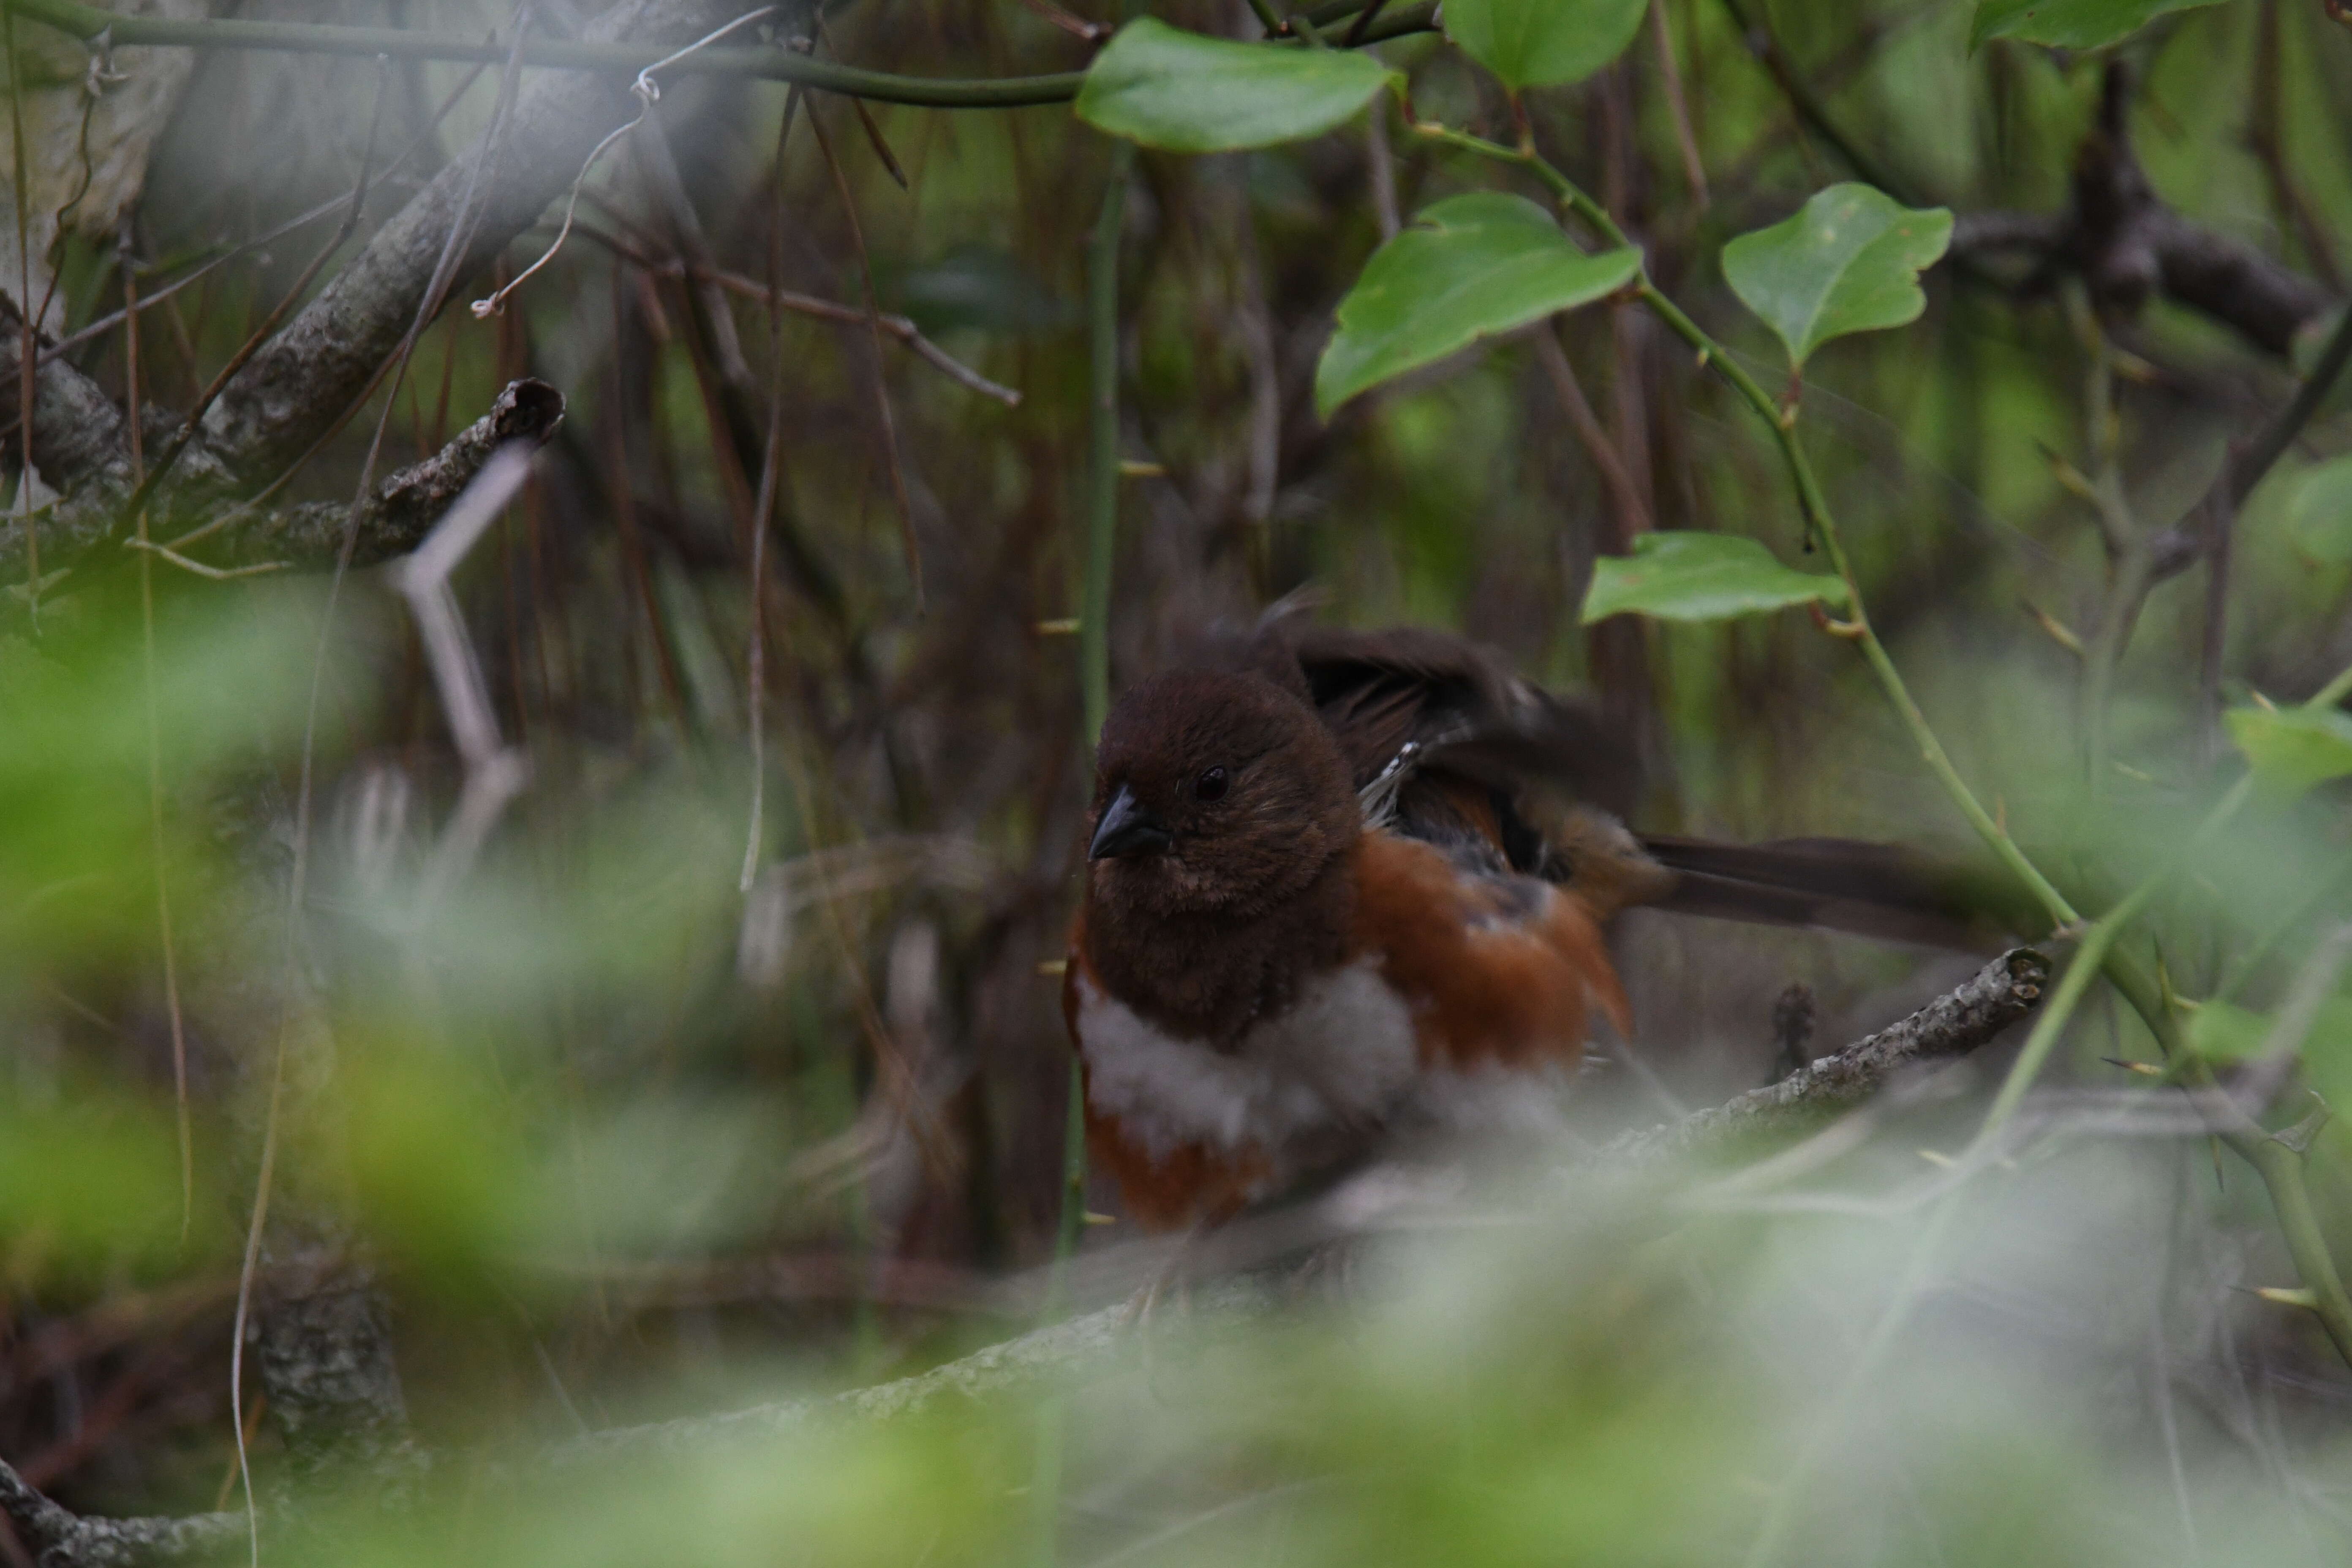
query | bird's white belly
[1341, 1055]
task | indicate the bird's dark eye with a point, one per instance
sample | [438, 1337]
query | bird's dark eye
[1210, 785]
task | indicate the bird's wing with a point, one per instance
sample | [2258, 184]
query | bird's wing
[1496, 967]
[1449, 746]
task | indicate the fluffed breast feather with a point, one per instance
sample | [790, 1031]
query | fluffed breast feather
[1456, 974]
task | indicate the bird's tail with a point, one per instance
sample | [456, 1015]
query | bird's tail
[1839, 884]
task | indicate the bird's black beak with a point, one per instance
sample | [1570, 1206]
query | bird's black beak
[1128, 828]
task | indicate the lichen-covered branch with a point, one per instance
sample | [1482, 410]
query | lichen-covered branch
[309, 537]
[324, 1354]
[404, 507]
[1998, 994]
[60, 1539]
[81, 443]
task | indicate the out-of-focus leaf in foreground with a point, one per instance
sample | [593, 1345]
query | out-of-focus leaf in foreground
[469, 1175]
[77, 862]
[1575, 1382]
[90, 1184]
[2292, 749]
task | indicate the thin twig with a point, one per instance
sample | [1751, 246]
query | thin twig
[647, 93]
[1757, 32]
[495, 772]
[755, 682]
[1694, 167]
[1076, 27]
[899, 327]
[890, 459]
[1381, 170]
[1634, 516]
[2185, 542]
[28, 392]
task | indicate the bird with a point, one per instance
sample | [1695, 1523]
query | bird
[1346, 886]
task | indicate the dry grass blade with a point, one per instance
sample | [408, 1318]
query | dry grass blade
[180, 1110]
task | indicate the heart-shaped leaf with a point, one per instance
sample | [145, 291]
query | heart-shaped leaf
[1167, 88]
[1541, 43]
[2292, 748]
[2069, 24]
[1464, 270]
[1848, 262]
[1689, 576]
[2319, 511]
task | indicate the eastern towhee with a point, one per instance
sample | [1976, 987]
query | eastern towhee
[1341, 885]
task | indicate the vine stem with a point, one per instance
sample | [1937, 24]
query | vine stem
[88, 23]
[1818, 519]
[1094, 685]
[2279, 1166]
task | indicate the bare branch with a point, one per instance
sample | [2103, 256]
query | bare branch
[63, 1539]
[2126, 245]
[80, 441]
[404, 507]
[1998, 994]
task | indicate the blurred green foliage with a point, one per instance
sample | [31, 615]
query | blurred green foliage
[617, 1139]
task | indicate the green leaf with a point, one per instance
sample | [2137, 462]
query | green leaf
[1848, 262]
[1541, 43]
[2069, 24]
[1464, 270]
[1688, 576]
[2319, 511]
[2291, 750]
[1165, 87]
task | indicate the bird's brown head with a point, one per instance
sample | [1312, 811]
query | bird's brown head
[1215, 793]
